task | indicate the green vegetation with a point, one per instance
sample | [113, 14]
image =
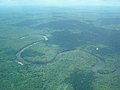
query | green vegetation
[40, 53]
[77, 41]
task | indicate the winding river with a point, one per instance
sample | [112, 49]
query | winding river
[100, 63]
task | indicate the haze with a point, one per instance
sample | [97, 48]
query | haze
[60, 2]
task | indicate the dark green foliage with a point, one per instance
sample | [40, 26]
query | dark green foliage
[1, 37]
[69, 40]
[81, 80]
[114, 40]
[65, 39]
[103, 51]
[26, 23]
[110, 21]
[8, 52]
[64, 25]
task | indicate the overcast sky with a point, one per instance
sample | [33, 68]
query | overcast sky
[61, 2]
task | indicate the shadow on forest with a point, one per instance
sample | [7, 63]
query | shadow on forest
[80, 80]
[68, 40]
[63, 25]
[109, 21]
[64, 39]
[89, 33]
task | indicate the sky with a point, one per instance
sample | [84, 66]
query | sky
[61, 2]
